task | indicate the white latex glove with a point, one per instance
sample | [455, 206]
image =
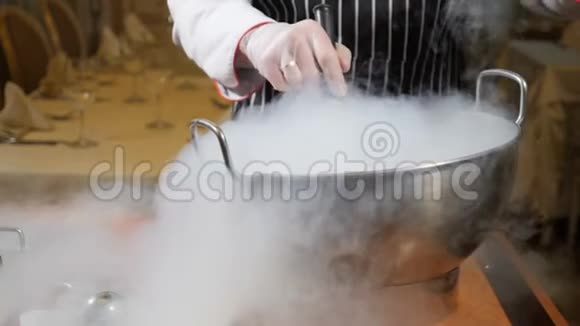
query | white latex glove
[288, 55]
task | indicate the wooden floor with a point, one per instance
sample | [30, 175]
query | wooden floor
[559, 273]
[495, 287]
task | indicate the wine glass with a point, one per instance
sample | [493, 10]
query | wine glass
[158, 83]
[83, 97]
[104, 308]
[86, 69]
[135, 67]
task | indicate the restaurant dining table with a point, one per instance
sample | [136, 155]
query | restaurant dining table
[553, 74]
[125, 145]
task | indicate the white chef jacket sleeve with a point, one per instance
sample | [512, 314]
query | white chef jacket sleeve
[565, 9]
[209, 31]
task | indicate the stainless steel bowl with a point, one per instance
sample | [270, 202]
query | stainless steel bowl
[406, 235]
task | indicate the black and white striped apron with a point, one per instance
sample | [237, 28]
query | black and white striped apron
[399, 47]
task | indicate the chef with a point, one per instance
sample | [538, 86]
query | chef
[256, 50]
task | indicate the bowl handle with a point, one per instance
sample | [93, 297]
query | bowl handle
[510, 75]
[21, 238]
[19, 232]
[218, 132]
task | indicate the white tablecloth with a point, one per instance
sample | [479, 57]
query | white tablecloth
[118, 127]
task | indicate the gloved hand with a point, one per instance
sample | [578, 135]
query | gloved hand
[288, 55]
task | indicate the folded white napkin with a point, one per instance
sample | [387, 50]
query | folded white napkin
[571, 35]
[19, 113]
[110, 50]
[137, 33]
[59, 73]
[126, 49]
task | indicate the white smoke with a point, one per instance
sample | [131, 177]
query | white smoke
[481, 27]
[215, 263]
[306, 127]
[221, 262]
[72, 243]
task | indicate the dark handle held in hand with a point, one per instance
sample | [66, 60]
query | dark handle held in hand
[324, 14]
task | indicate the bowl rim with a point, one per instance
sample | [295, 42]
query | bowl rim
[505, 146]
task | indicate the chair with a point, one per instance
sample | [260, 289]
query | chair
[4, 76]
[116, 13]
[63, 27]
[97, 15]
[572, 183]
[569, 187]
[25, 47]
